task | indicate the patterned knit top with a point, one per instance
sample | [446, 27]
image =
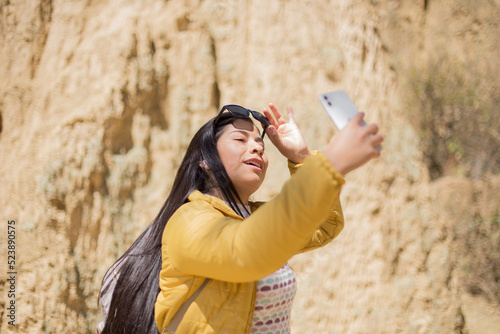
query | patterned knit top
[274, 299]
[273, 305]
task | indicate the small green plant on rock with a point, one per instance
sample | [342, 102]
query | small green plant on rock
[456, 110]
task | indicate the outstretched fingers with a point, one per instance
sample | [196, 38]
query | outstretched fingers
[276, 119]
[291, 118]
[271, 118]
[272, 132]
[280, 119]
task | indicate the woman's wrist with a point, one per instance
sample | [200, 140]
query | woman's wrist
[299, 157]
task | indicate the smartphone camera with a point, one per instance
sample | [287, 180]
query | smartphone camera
[326, 98]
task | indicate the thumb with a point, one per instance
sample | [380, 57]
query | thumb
[358, 118]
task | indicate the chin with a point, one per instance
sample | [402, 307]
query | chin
[252, 185]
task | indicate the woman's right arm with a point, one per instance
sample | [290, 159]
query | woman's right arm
[354, 145]
[199, 240]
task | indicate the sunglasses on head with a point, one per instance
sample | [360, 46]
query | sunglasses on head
[239, 111]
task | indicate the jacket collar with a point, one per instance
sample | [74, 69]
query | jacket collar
[216, 202]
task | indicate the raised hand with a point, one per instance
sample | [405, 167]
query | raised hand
[354, 145]
[286, 136]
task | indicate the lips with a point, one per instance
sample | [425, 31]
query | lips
[254, 162]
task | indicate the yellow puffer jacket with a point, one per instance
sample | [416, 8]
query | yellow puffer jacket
[206, 238]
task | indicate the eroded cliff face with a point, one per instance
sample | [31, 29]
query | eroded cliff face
[99, 99]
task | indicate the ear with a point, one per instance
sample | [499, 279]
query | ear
[203, 164]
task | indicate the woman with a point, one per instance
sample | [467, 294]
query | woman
[219, 265]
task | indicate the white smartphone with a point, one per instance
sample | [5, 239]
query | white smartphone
[339, 107]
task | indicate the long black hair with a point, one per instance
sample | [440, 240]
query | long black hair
[137, 271]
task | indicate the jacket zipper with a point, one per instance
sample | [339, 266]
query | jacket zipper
[250, 320]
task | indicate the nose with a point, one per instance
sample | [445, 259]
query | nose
[256, 148]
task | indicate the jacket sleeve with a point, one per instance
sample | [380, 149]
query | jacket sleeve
[331, 227]
[201, 241]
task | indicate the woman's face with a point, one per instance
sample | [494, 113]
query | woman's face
[241, 150]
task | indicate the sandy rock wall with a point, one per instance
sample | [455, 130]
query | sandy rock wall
[99, 99]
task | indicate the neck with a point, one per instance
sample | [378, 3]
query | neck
[215, 191]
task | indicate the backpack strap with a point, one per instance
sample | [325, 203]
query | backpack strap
[176, 320]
